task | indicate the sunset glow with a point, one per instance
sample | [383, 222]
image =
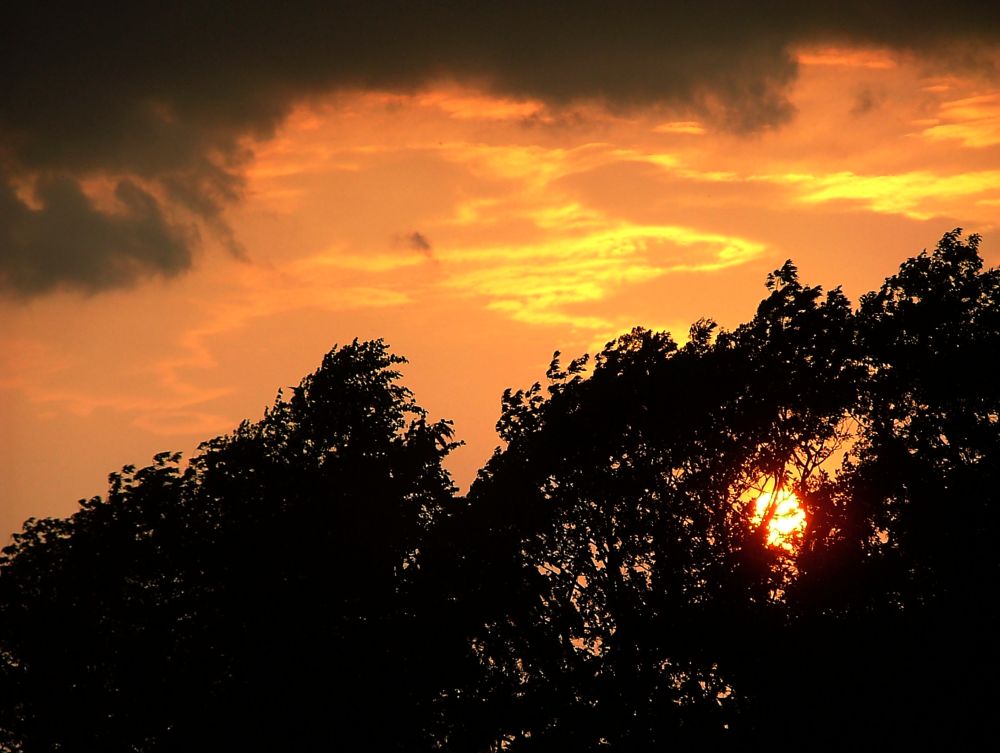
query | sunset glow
[478, 231]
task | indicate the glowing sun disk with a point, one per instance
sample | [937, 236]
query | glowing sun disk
[787, 521]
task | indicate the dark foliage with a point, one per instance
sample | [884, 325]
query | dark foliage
[250, 601]
[311, 582]
[896, 596]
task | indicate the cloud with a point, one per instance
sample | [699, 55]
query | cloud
[544, 283]
[418, 242]
[906, 194]
[109, 248]
[165, 99]
[866, 101]
[974, 121]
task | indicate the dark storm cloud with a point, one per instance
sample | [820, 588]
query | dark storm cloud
[163, 95]
[72, 242]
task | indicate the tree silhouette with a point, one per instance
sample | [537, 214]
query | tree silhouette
[311, 582]
[250, 601]
[895, 579]
[616, 518]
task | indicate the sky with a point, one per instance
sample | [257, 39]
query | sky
[196, 205]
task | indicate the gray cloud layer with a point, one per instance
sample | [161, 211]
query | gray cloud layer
[158, 98]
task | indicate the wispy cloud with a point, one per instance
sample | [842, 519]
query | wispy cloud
[689, 127]
[544, 283]
[972, 121]
[919, 194]
[873, 59]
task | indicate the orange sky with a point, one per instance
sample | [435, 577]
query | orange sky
[477, 234]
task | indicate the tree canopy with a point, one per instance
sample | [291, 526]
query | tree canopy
[247, 601]
[312, 581]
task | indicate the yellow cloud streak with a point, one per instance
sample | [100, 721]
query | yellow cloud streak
[904, 193]
[536, 282]
[974, 121]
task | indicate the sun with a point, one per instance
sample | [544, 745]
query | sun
[787, 518]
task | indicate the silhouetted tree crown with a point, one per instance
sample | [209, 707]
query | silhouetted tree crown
[312, 582]
[247, 601]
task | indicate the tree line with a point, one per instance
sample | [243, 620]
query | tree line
[312, 580]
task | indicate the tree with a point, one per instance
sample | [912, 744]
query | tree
[637, 589]
[621, 595]
[894, 586]
[309, 581]
[253, 600]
